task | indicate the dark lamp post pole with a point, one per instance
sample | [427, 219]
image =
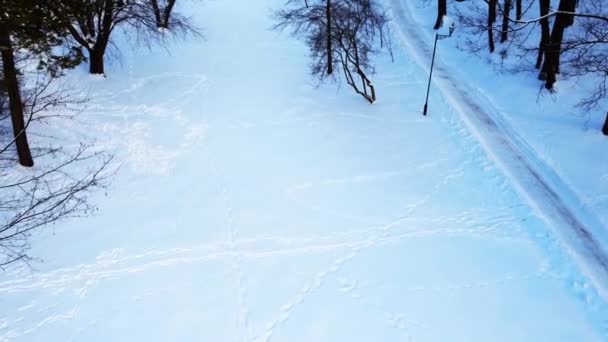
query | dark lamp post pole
[428, 89]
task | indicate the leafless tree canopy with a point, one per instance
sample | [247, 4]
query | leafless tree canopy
[358, 31]
[54, 35]
[52, 194]
[92, 22]
[58, 188]
[566, 37]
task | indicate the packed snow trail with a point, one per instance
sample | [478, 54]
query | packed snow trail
[254, 207]
[582, 233]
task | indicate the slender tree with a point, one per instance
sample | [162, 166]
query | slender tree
[29, 31]
[506, 12]
[11, 84]
[545, 37]
[330, 62]
[518, 9]
[91, 23]
[492, 4]
[563, 20]
[358, 31]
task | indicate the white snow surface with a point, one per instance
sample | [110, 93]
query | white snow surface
[253, 206]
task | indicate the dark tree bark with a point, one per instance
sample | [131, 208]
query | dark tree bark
[357, 31]
[504, 33]
[156, 10]
[167, 12]
[96, 61]
[491, 20]
[518, 9]
[330, 62]
[162, 16]
[14, 95]
[92, 26]
[545, 35]
[554, 48]
[605, 128]
[442, 10]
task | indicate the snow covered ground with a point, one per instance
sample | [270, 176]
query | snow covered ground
[254, 207]
[548, 126]
[575, 222]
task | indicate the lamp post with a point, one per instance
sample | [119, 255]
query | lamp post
[428, 89]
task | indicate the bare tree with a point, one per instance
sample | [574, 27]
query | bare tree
[358, 32]
[553, 50]
[506, 12]
[59, 187]
[492, 4]
[29, 32]
[566, 47]
[55, 193]
[330, 57]
[545, 35]
[10, 84]
[518, 9]
[92, 22]
[480, 20]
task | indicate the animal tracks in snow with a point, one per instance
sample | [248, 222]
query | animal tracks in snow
[149, 136]
[76, 282]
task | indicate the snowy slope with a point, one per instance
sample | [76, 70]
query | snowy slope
[566, 141]
[254, 207]
[581, 231]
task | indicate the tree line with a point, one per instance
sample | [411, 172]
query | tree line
[571, 37]
[39, 41]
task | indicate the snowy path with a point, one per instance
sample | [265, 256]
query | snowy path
[254, 207]
[582, 233]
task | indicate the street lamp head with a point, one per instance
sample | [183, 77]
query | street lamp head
[452, 28]
[448, 27]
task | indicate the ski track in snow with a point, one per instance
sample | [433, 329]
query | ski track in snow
[586, 240]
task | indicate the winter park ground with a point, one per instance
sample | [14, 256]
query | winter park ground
[252, 206]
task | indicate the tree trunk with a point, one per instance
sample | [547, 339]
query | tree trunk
[330, 62]
[545, 35]
[554, 48]
[97, 53]
[96, 63]
[491, 21]
[16, 105]
[167, 13]
[104, 30]
[442, 10]
[518, 9]
[156, 11]
[605, 128]
[504, 34]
